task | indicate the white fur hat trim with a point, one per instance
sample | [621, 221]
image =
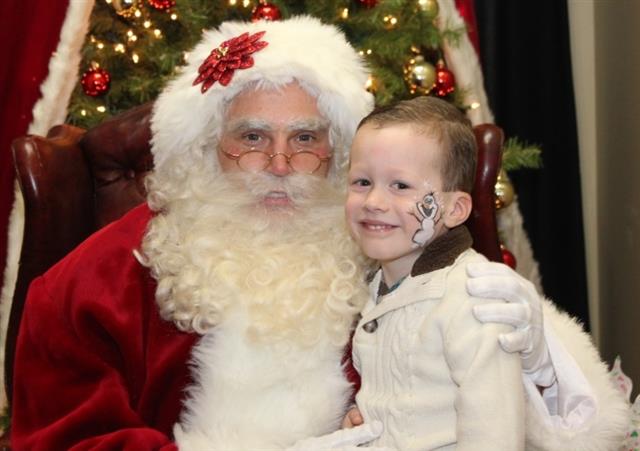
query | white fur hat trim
[186, 121]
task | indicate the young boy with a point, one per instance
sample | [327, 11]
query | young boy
[431, 373]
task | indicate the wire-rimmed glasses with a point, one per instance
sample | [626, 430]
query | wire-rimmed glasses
[302, 161]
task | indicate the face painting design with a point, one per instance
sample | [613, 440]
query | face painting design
[427, 214]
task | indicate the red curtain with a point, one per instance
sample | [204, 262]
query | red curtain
[466, 8]
[29, 33]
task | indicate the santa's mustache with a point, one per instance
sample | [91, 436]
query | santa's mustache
[299, 188]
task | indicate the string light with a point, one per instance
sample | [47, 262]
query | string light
[119, 48]
[246, 3]
[475, 105]
[146, 23]
[84, 112]
[157, 33]
[390, 21]
[138, 13]
[101, 109]
[174, 16]
[232, 2]
[100, 45]
[135, 57]
[344, 14]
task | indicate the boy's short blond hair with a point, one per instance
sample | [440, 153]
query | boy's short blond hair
[447, 124]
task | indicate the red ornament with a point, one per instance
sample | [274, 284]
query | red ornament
[95, 82]
[265, 11]
[445, 80]
[162, 5]
[507, 257]
[232, 54]
[368, 3]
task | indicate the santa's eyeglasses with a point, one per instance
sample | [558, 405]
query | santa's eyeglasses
[302, 161]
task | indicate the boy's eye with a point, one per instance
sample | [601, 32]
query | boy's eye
[361, 182]
[400, 185]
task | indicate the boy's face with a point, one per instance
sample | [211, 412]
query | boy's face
[395, 200]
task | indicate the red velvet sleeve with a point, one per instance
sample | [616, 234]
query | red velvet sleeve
[96, 368]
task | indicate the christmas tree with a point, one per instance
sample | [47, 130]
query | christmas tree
[134, 47]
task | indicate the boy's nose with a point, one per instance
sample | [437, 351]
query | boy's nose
[375, 201]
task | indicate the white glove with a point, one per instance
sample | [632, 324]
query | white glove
[343, 439]
[522, 310]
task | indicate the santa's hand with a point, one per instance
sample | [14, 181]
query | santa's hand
[523, 311]
[343, 439]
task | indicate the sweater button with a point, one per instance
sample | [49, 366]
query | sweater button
[371, 326]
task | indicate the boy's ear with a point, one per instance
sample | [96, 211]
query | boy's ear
[459, 209]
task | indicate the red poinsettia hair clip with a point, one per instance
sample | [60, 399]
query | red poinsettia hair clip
[232, 54]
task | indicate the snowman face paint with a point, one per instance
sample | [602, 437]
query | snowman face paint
[392, 211]
[427, 214]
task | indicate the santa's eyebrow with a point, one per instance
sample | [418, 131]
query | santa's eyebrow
[311, 124]
[244, 124]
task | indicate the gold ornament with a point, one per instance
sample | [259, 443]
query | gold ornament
[128, 9]
[504, 190]
[420, 75]
[430, 8]
[372, 84]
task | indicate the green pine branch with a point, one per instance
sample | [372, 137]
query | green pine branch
[519, 155]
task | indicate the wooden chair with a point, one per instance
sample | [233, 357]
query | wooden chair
[74, 182]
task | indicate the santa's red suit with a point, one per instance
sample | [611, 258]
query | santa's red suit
[120, 370]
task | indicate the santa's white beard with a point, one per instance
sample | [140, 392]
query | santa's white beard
[274, 291]
[293, 268]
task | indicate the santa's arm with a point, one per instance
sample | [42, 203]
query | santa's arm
[71, 391]
[572, 402]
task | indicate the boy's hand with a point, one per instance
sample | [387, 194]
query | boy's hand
[352, 418]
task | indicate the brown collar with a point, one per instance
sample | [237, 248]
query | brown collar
[441, 252]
